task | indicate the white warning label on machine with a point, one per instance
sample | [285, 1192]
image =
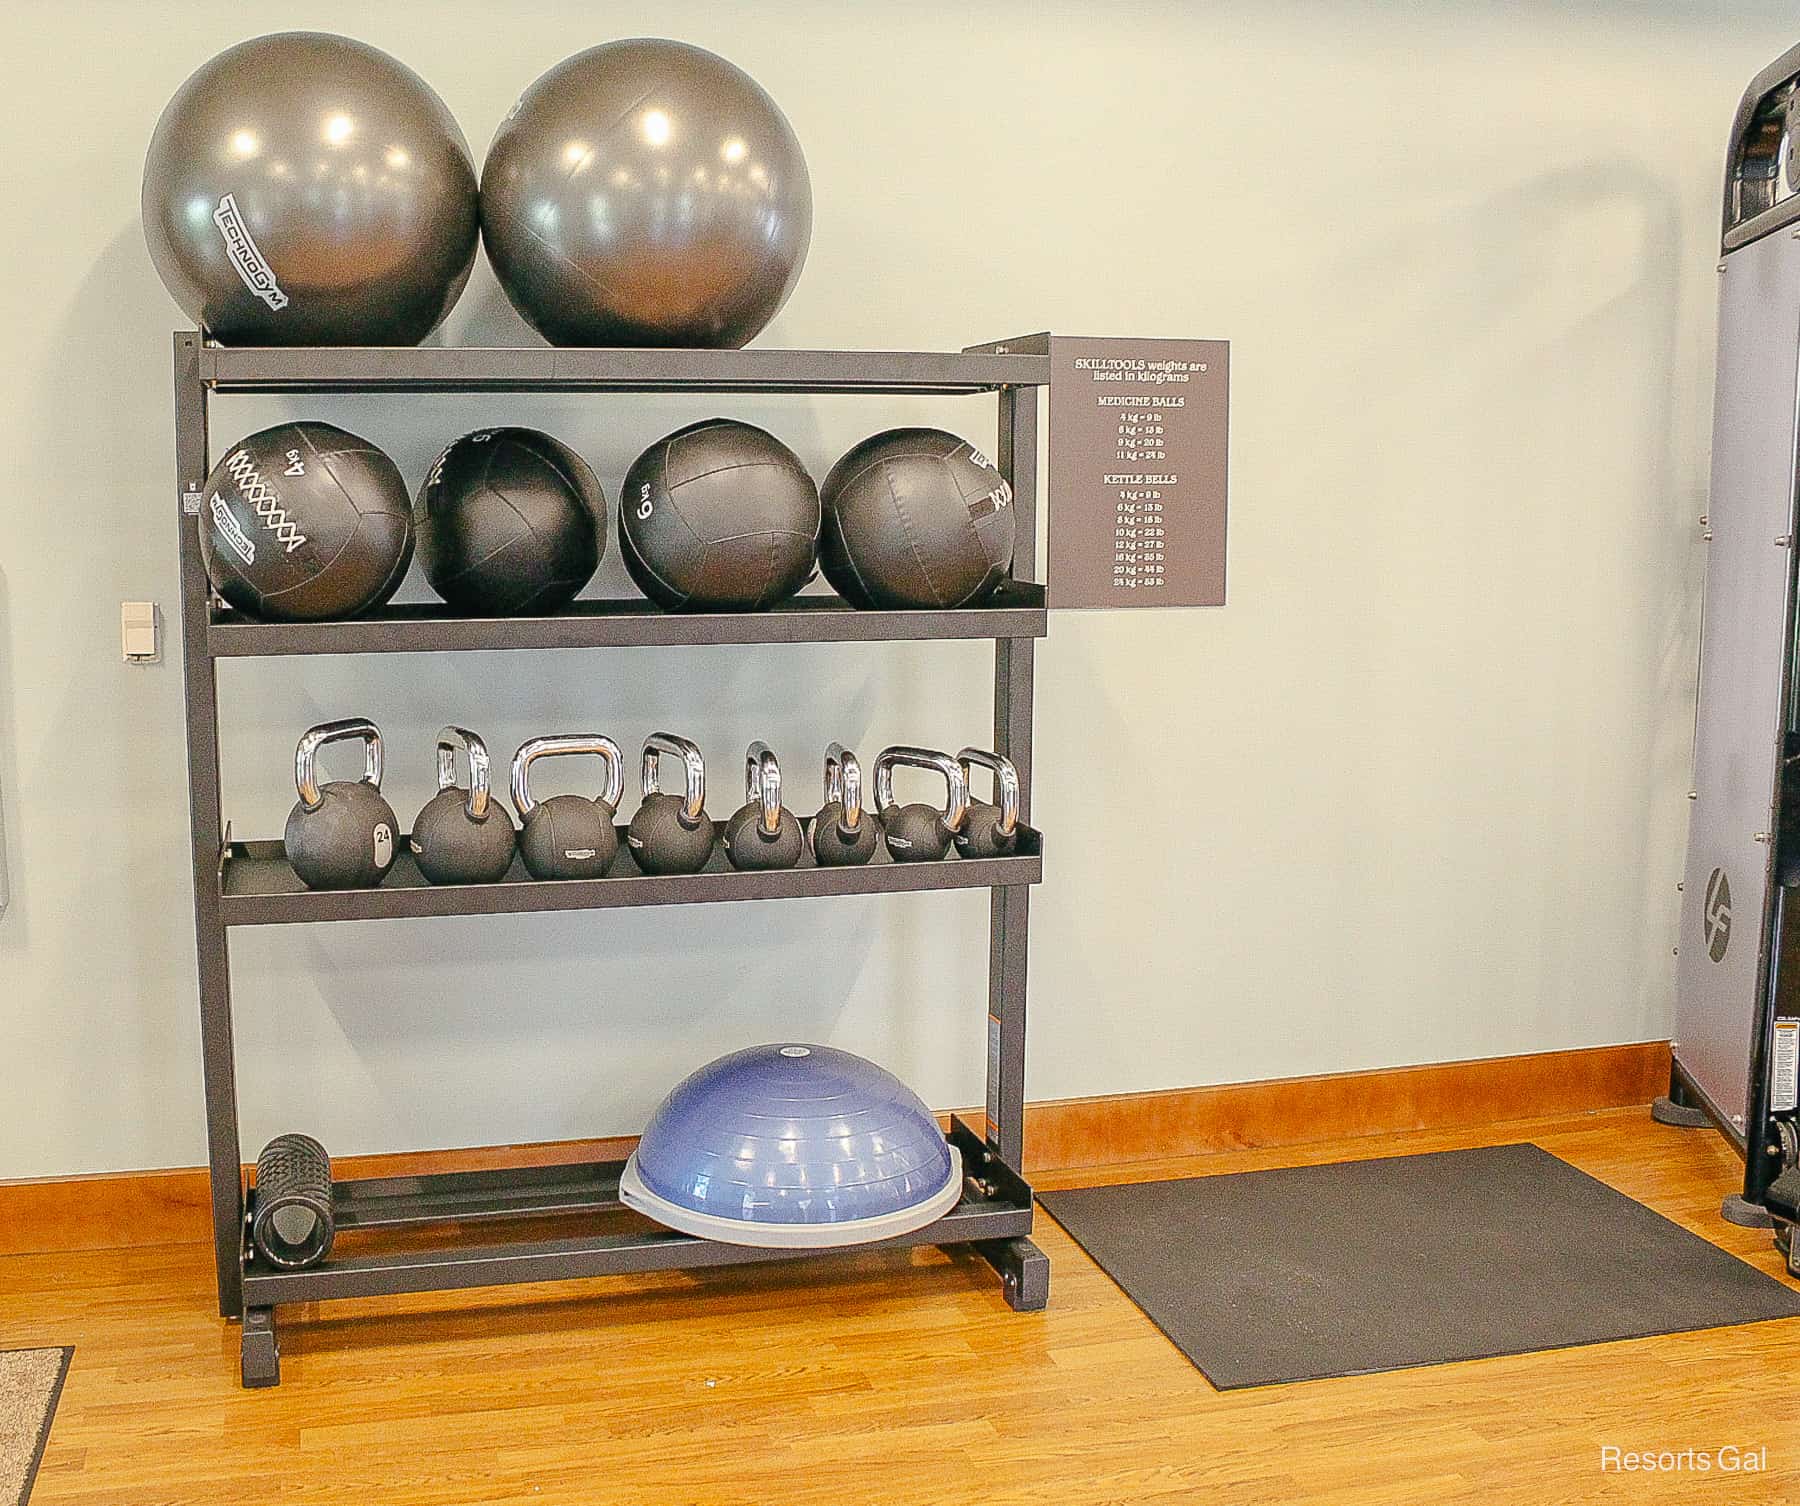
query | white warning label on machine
[1784, 1068]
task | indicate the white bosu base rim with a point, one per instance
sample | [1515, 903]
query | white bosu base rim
[736, 1231]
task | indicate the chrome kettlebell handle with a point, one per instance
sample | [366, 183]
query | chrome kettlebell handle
[562, 746]
[956, 798]
[1006, 784]
[762, 785]
[843, 783]
[693, 805]
[480, 784]
[306, 755]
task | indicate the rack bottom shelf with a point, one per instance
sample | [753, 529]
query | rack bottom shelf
[995, 1214]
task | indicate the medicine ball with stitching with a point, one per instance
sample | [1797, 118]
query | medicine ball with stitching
[510, 521]
[719, 515]
[916, 518]
[305, 522]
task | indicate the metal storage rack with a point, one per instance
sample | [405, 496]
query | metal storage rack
[250, 883]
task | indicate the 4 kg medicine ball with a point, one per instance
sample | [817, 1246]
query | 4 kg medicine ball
[510, 521]
[916, 518]
[719, 515]
[304, 522]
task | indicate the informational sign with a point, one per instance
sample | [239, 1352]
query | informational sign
[1139, 434]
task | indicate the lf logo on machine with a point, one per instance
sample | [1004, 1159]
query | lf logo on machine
[1715, 919]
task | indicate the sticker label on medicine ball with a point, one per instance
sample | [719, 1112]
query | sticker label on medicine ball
[578, 854]
[1715, 916]
[246, 257]
[225, 520]
[1139, 438]
[384, 844]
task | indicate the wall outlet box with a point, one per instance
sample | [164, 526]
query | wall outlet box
[139, 638]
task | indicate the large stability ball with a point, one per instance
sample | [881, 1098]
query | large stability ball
[916, 518]
[719, 515]
[305, 522]
[305, 189]
[646, 193]
[510, 521]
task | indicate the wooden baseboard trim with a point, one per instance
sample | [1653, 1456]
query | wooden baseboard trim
[118, 1209]
[1076, 1132]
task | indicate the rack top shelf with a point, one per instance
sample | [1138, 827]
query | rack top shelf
[546, 369]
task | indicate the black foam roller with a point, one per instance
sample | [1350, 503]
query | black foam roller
[291, 1223]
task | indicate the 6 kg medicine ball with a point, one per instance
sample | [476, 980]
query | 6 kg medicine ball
[304, 522]
[719, 515]
[916, 518]
[510, 521]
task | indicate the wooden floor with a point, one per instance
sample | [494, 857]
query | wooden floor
[889, 1378]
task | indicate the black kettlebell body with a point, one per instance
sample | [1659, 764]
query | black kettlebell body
[347, 842]
[981, 835]
[340, 835]
[569, 837]
[452, 847]
[835, 845]
[915, 833]
[749, 845]
[662, 840]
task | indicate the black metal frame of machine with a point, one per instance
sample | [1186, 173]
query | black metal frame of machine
[1736, 1059]
[251, 883]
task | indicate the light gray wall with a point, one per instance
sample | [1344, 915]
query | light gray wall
[1421, 782]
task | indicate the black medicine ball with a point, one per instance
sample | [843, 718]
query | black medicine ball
[721, 515]
[304, 522]
[510, 521]
[916, 518]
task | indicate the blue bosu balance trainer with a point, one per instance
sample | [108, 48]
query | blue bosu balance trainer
[792, 1146]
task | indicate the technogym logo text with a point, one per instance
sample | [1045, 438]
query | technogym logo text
[1715, 918]
[1727, 1459]
[246, 256]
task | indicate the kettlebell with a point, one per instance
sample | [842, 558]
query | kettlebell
[843, 836]
[762, 832]
[920, 833]
[568, 836]
[340, 836]
[462, 836]
[671, 833]
[991, 830]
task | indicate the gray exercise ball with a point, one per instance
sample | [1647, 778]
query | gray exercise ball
[646, 193]
[306, 189]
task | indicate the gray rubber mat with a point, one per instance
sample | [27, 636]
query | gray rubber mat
[1313, 1271]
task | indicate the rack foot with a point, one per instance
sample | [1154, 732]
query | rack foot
[1024, 1272]
[1667, 1110]
[1738, 1209]
[261, 1365]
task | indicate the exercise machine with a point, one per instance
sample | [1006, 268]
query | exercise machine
[1737, 1012]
